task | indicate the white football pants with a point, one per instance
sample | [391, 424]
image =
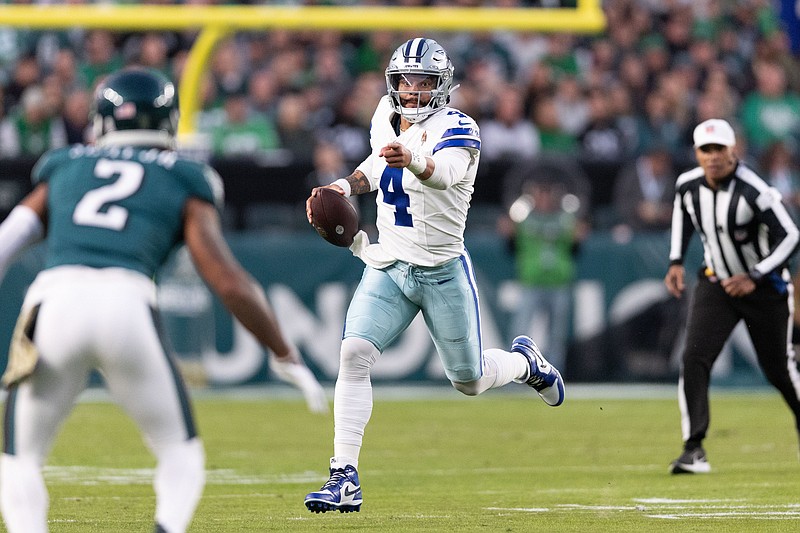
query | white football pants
[98, 319]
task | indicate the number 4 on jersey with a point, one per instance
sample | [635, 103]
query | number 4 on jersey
[393, 194]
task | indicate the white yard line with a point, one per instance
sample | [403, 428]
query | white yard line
[674, 509]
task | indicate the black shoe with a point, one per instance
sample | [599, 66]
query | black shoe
[691, 462]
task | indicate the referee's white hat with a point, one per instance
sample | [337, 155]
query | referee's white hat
[714, 131]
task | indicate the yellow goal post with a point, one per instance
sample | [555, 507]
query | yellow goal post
[216, 22]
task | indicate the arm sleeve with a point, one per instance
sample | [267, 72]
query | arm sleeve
[681, 232]
[781, 227]
[21, 228]
[450, 167]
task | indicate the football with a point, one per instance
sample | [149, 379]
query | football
[334, 217]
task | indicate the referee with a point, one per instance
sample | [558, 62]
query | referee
[748, 238]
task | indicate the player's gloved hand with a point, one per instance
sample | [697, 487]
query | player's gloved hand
[297, 374]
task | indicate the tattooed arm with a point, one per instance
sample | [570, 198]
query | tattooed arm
[355, 183]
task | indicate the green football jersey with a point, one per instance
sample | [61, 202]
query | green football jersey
[117, 206]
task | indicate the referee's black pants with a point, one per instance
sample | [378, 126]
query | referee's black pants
[712, 316]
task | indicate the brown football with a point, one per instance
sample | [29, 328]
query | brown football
[334, 217]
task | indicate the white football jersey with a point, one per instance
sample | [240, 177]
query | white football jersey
[417, 223]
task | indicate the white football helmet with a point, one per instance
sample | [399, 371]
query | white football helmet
[420, 56]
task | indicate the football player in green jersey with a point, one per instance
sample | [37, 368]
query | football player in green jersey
[111, 213]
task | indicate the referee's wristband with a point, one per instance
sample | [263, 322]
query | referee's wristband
[756, 276]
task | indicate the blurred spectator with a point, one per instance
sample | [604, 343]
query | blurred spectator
[539, 82]
[681, 85]
[242, 133]
[779, 168]
[350, 130]
[151, 50]
[26, 73]
[633, 74]
[288, 67]
[571, 104]
[645, 190]
[561, 55]
[718, 88]
[65, 69]
[732, 57]
[318, 113]
[328, 70]
[30, 129]
[293, 128]
[76, 116]
[619, 97]
[602, 62]
[375, 50]
[677, 31]
[482, 50]
[329, 166]
[100, 57]
[487, 83]
[657, 125]
[703, 53]
[54, 94]
[776, 47]
[228, 71]
[526, 49]
[263, 92]
[508, 134]
[552, 137]
[655, 56]
[770, 113]
[601, 148]
[601, 140]
[544, 232]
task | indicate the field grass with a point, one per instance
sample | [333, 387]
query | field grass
[502, 462]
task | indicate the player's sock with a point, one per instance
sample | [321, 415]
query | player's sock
[23, 495]
[352, 397]
[342, 461]
[501, 368]
[179, 480]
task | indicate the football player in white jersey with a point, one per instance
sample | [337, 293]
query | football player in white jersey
[423, 164]
[112, 213]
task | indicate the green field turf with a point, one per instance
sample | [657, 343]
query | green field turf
[502, 462]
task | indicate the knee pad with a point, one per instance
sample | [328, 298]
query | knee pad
[470, 388]
[357, 357]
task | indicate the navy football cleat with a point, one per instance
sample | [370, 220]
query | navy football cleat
[542, 376]
[342, 492]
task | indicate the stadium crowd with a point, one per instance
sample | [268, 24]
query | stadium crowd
[618, 100]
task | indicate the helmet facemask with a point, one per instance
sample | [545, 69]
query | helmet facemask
[411, 63]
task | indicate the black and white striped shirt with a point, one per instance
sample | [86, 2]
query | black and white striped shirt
[743, 224]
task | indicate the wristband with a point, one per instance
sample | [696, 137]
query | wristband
[418, 163]
[756, 276]
[345, 185]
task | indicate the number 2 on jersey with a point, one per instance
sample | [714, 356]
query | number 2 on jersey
[89, 211]
[393, 194]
